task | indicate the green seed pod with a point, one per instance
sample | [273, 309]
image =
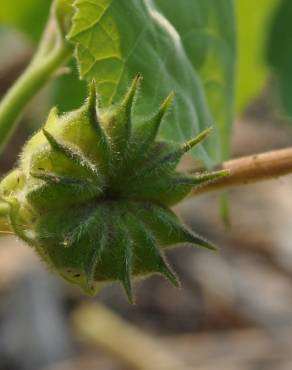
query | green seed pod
[92, 193]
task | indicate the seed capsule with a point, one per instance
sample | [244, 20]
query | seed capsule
[92, 193]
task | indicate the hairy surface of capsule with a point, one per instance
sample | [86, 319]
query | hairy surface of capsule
[93, 190]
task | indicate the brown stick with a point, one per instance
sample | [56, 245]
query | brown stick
[250, 169]
[102, 327]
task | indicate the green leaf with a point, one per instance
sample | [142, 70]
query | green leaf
[28, 16]
[280, 53]
[185, 46]
[254, 20]
[68, 91]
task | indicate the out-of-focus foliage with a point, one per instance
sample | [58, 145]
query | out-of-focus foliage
[254, 20]
[4, 224]
[69, 91]
[186, 46]
[280, 53]
[29, 16]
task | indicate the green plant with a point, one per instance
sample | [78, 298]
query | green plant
[92, 194]
[93, 188]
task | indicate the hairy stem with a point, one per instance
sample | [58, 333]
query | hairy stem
[40, 70]
[251, 169]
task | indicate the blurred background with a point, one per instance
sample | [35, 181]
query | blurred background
[233, 311]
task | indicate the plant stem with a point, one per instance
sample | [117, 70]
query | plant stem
[251, 169]
[30, 82]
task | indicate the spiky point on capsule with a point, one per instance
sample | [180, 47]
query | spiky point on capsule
[92, 194]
